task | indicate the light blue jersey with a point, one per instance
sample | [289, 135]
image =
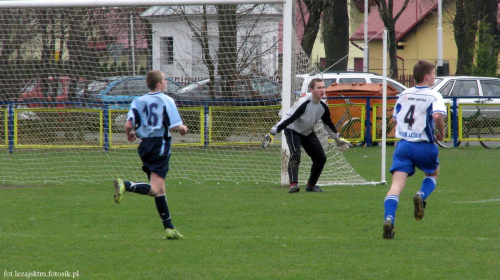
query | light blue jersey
[153, 114]
[413, 114]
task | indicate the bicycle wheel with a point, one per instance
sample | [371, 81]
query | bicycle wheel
[448, 143]
[490, 131]
[351, 131]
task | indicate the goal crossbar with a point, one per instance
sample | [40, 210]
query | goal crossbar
[123, 3]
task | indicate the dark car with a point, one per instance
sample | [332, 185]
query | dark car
[244, 91]
[118, 92]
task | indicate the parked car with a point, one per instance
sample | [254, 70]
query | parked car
[245, 91]
[43, 92]
[484, 88]
[117, 92]
[347, 77]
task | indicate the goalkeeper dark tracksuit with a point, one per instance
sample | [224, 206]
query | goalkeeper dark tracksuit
[298, 125]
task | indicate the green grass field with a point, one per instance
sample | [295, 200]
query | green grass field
[258, 231]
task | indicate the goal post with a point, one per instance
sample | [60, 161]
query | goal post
[71, 69]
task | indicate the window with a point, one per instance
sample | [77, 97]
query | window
[445, 91]
[490, 88]
[137, 87]
[118, 89]
[465, 88]
[167, 50]
[394, 85]
[328, 82]
[351, 80]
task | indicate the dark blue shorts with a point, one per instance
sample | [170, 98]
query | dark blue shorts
[408, 155]
[155, 156]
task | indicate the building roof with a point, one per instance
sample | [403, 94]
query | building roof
[415, 12]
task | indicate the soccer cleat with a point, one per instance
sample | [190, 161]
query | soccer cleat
[171, 233]
[314, 189]
[419, 203]
[388, 229]
[119, 190]
[294, 189]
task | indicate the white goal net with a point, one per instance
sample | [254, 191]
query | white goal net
[69, 74]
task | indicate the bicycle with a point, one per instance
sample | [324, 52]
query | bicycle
[350, 127]
[390, 125]
[487, 130]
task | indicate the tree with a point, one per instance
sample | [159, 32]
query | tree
[336, 34]
[485, 54]
[387, 15]
[227, 49]
[465, 26]
[310, 12]
[477, 36]
[228, 46]
[487, 45]
[335, 29]
[15, 29]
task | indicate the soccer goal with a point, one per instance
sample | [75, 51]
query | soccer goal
[71, 68]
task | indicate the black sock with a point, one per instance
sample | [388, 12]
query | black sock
[141, 188]
[161, 205]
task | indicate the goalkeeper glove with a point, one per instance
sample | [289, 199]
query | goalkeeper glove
[342, 144]
[268, 139]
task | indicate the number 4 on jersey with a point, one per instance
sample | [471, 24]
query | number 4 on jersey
[409, 118]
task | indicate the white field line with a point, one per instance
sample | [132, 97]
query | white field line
[479, 201]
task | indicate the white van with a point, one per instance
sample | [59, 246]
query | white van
[348, 77]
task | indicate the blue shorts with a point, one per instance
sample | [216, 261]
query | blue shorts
[155, 156]
[408, 155]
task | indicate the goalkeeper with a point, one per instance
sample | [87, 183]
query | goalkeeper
[298, 125]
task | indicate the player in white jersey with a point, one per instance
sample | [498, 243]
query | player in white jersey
[150, 118]
[298, 125]
[418, 112]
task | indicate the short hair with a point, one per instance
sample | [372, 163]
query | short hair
[421, 69]
[313, 82]
[153, 78]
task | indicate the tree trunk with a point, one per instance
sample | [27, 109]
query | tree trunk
[465, 28]
[311, 27]
[228, 48]
[385, 10]
[393, 52]
[44, 23]
[12, 39]
[336, 35]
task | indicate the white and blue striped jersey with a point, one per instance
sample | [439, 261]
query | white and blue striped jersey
[413, 113]
[153, 114]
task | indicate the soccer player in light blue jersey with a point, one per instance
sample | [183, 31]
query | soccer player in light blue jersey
[150, 118]
[418, 112]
